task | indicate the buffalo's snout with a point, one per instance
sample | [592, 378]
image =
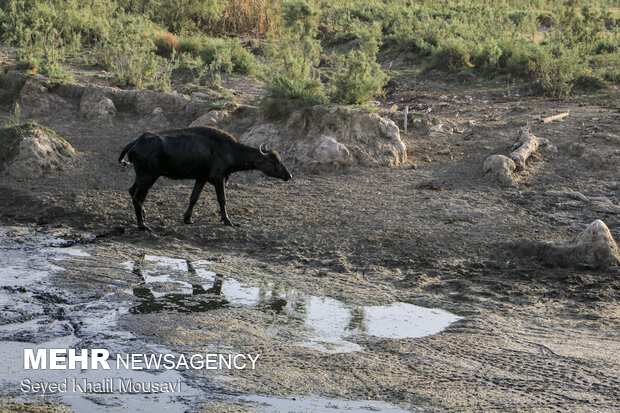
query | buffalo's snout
[285, 175]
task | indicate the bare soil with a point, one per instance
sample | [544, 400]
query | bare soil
[433, 232]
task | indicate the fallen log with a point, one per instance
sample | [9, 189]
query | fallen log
[528, 144]
[503, 168]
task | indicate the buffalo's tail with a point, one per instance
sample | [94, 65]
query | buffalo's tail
[125, 149]
[130, 145]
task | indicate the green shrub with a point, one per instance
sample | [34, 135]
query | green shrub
[166, 43]
[524, 38]
[243, 61]
[358, 78]
[518, 17]
[554, 76]
[588, 80]
[451, 54]
[293, 60]
[228, 55]
[191, 45]
[295, 85]
[56, 71]
[178, 16]
[606, 45]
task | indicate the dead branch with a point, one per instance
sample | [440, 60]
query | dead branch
[555, 117]
[582, 197]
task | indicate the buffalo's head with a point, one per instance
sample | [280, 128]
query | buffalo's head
[271, 164]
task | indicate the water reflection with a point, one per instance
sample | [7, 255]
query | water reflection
[199, 300]
[168, 284]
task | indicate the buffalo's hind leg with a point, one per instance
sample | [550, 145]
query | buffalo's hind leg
[132, 188]
[142, 186]
[187, 218]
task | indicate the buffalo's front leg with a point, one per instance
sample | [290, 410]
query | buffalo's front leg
[221, 199]
[187, 218]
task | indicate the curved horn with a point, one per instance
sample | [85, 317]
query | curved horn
[260, 148]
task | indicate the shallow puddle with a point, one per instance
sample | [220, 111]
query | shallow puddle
[25, 257]
[169, 284]
[36, 314]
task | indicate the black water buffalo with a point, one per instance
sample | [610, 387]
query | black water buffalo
[201, 153]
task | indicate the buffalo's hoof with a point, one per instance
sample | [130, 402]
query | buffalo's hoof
[188, 220]
[144, 228]
[229, 223]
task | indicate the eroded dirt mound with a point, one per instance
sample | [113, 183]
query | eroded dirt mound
[29, 150]
[594, 247]
[37, 96]
[318, 140]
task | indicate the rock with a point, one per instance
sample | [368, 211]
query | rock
[594, 247]
[329, 150]
[315, 140]
[438, 130]
[95, 103]
[30, 150]
[158, 114]
[35, 98]
[102, 110]
[199, 95]
[500, 168]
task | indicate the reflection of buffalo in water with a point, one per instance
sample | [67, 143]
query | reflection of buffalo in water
[288, 305]
[198, 301]
[182, 303]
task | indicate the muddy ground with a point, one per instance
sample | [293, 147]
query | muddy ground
[433, 232]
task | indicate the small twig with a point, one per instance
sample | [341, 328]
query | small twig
[555, 117]
[582, 197]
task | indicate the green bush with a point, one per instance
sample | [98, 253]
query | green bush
[554, 76]
[294, 59]
[553, 43]
[451, 54]
[358, 78]
[191, 45]
[228, 55]
[606, 45]
[588, 80]
[177, 16]
[243, 61]
[166, 43]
